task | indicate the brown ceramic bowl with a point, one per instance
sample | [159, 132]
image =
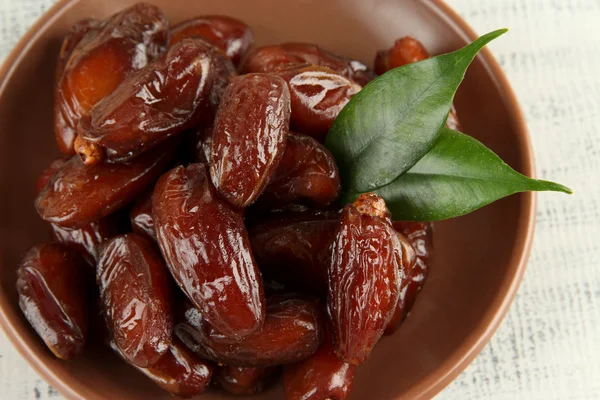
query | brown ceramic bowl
[480, 258]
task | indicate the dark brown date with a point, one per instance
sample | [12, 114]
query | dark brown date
[136, 298]
[419, 236]
[293, 248]
[228, 34]
[364, 277]
[51, 287]
[406, 50]
[293, 330]
[158, 101]
[318, 94]
[48, 173]
[207, 250]
[322, 376]
[78, 194]
[101, 60]
[142, 221]
[87, 240]
[306, 174]
[244, 381]
[249, 136]
[271, 58]
[179, 371]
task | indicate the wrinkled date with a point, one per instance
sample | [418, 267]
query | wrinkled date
[417, 244]
[322, 376]
[152, 104]
[136, 298]
[101, 60]
[272, 58]
[51, 287]
[244, 381]
[142, 221]
[230, 35]
[207, 250]
[293, 248]
[179, 371]
[292, 331]
[88, 239]
[408, 50]
[78, 194]
[249, 135]
[307, 174]
[318, 94]
[364, 277]
[71, 40]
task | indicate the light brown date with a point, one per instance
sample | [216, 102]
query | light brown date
[51, 287]
[158, 101]
[78, 194]
[318, 94]
[244, 381]
[292, 331]
[101, 60]
[136, 298]
[206, 247]
[364, 277]
[230, 35]
[306, 174]
[249, 135]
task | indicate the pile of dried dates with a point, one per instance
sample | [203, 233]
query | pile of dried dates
[194, 216]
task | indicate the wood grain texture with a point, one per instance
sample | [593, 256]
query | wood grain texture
[548, 347]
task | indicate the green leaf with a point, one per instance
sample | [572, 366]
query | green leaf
[394, 120]
[458, 175]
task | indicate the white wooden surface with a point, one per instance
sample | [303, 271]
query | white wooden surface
[548, 347]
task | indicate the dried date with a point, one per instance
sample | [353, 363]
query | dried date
[78, 194]
[318, 94]
[292, 331]
[136, 298]
[101, 60]
[244, 381]
[364, 277]
[206, 247]
[230, 35]
[142, 220]
[51, 288]
[306, 174]
[161, 100]
[249, 136]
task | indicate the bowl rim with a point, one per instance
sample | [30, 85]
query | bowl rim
[464, 354]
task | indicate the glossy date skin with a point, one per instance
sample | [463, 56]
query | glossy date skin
[318, 94]
[408, 50]
[51, 287]
[272, 58]
[78, 194]
[158, 101]
[417, 259]
[206, 247]
[249, 136]
[321, 376]
[293, 248]
[364, 277]
[306, 174]
[292, 331]
[179, 371]
[230, 35]
[101, 60]
[244, 381]
[142, 220]
[70, 42]
[136, 298]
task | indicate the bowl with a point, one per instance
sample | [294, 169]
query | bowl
[479, 258]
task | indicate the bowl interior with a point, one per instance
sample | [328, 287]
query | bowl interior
[478, 258]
